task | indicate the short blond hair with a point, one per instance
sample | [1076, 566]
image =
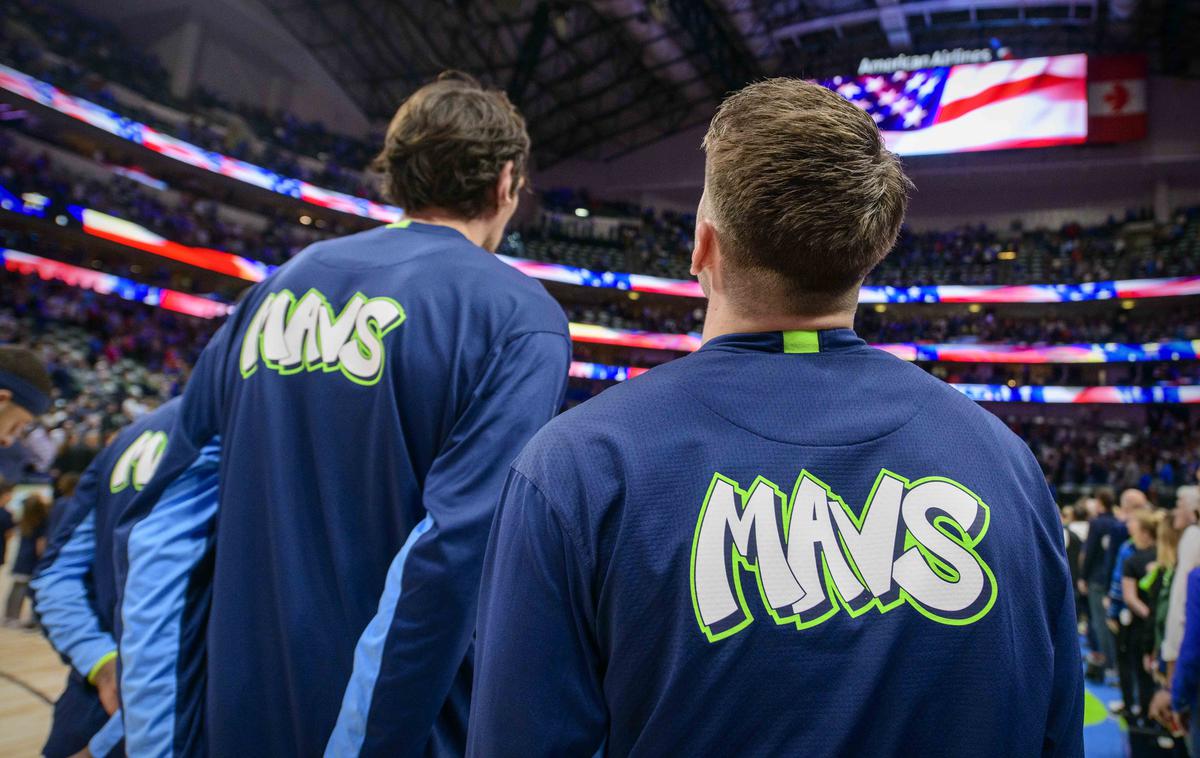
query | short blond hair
[801, 188]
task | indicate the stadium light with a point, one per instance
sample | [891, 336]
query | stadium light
[582, 212]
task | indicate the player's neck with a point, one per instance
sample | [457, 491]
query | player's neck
[475, 230]
[720, 319]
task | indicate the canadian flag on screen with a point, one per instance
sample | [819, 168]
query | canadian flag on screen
[1117, 98]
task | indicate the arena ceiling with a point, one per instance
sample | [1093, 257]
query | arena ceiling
[604, 77]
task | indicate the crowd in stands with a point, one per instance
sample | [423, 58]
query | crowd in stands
[110, 360]
[655, 243]
[660, 244]
[108, 354]
[84, 55]
[1087, 449]
[1143, 374]
[990, 326]
[1134, 562]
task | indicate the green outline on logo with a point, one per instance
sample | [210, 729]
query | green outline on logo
[127, 465]
[263, 313]
[947, 526]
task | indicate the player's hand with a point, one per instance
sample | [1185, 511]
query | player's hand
[1081, 586]
[105, 681]
[1113, 626]
[1107, 602]
[1148, 663]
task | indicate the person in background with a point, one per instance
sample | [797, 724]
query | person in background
[1096, 575]
[1186, 515]
[1185, 684]
[1075, 545]
[1135, 634]
[1081, 516]
[1132, 503]
[35, 515]
[1163, 574]
[75, 588]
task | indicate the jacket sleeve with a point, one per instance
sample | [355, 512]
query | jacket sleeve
[162, 539]
[1189, 558]
[62, 584]
[164, 549]
[1186, 682]
[537, 667]
[407, 656]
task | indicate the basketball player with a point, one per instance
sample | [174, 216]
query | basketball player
[76, 591]
[787, 543]
[369, 398]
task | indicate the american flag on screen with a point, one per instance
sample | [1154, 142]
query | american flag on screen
[979, 106]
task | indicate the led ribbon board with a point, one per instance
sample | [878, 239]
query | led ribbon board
[1125, 289]
[129, 233]
[1110, 352]
[100, 117]
[982, 393]
[109, 284]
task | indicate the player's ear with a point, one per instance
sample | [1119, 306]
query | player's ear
[507, 187]
[706, 249]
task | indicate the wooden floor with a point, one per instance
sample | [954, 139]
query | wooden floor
[31, 678]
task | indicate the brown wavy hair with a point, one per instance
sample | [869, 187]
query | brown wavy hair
[805, 196]
[448, 143]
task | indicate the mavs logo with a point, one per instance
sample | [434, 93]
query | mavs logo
[812, 556]
[306, 334]
[138, 462]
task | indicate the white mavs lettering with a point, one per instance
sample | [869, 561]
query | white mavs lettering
[290, 335]
[811, 556]
[137, 463]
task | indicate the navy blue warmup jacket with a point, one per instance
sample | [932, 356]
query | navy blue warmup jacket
[369, 398]
[75, 589]
[782, 544]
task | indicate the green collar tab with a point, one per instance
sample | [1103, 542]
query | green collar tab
[801, 342]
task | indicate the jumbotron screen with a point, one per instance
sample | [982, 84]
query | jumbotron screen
[1034, 102]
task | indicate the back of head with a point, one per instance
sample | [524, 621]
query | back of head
[34, 513]
[1106, 499]
[447, 146]
[24, 380]
[1146, 520]
[1132, 501]
[804, 195]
